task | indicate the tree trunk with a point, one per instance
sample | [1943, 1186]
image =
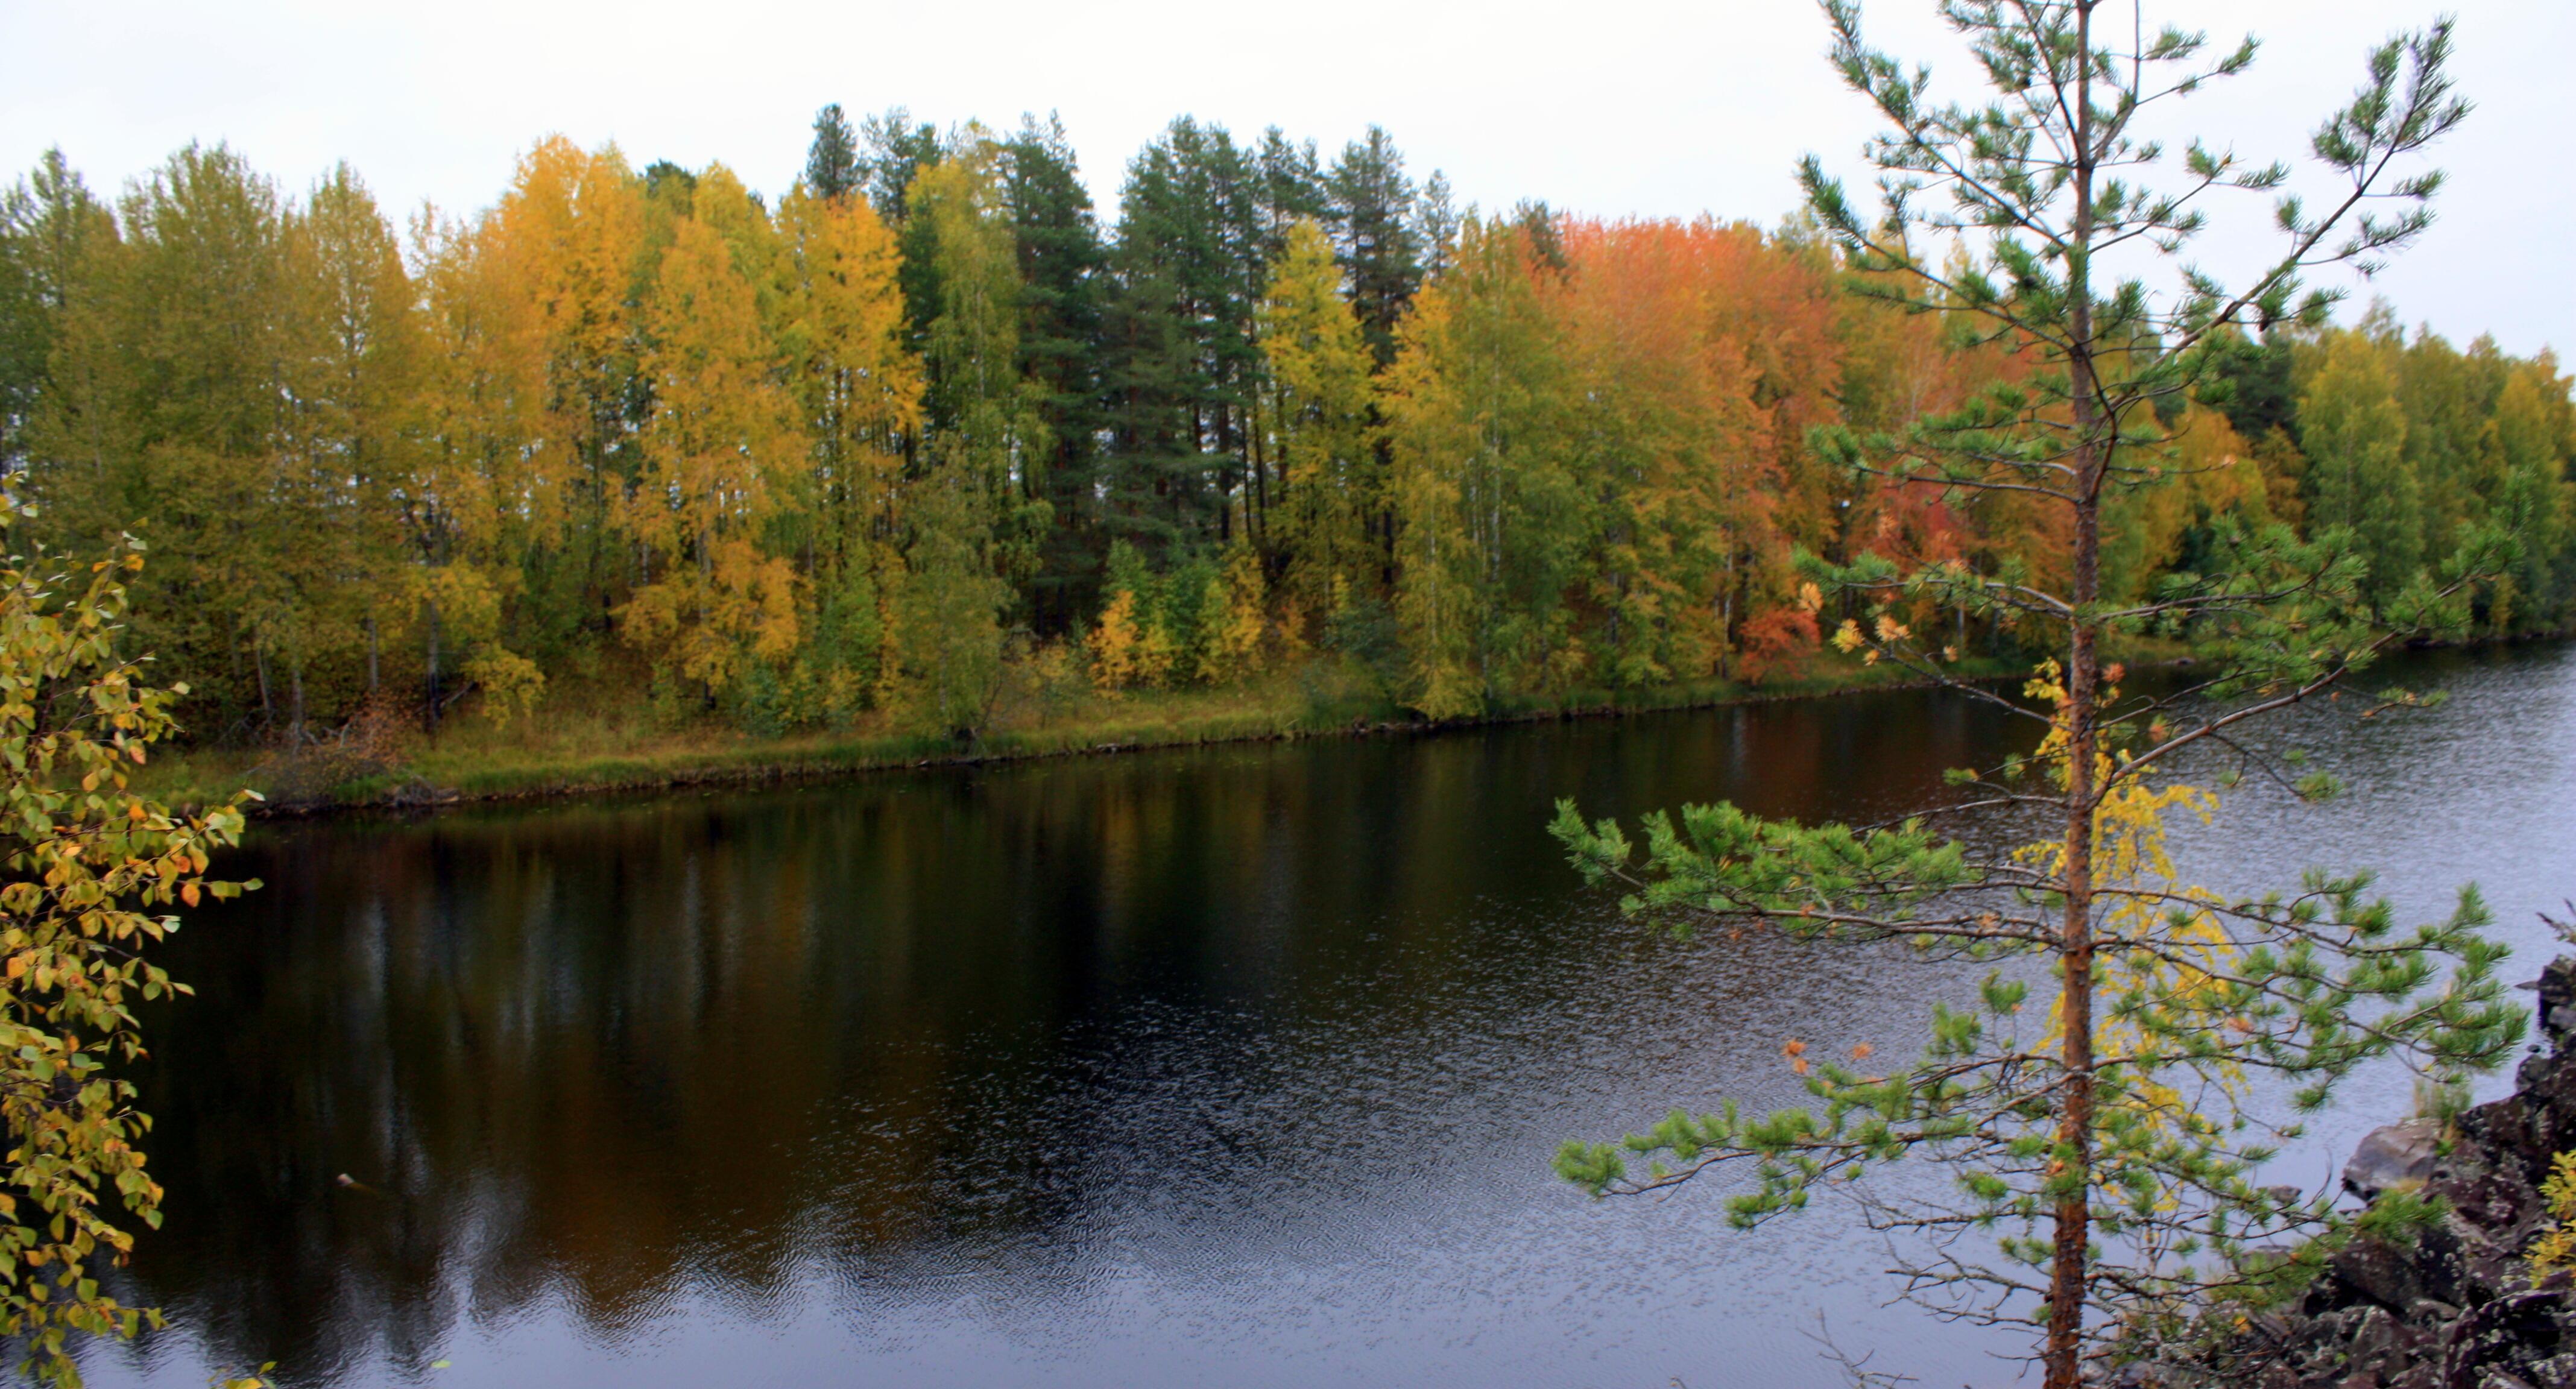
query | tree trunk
[259, 658]
[2069, 1261]
[431, 721]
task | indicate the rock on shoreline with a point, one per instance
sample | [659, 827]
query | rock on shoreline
[2458, 1309]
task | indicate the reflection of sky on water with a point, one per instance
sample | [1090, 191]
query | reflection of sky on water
[1237, 1066]
[2482, 791]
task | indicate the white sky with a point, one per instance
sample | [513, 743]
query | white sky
[1618, 107]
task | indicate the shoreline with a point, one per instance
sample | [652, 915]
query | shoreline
[463, 771]
[1189, 719]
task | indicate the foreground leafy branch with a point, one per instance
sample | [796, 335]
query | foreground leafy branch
[94, 871]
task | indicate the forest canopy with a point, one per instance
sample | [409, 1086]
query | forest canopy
[850, 455]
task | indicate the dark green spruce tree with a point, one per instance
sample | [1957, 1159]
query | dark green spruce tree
[1378, 225]
[1435, 225]
[1183, 359]
[2105, 1144]
[1292, 190]
[1374, 232]
[832, 160]
[1063, 284]
[893, 149]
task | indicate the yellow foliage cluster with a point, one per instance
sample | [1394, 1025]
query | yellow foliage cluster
[1320, 370]
[773, 351]
[1125, 652]
[2556, 1247]
[2160, 943]
[511, 684]
[1232, 620]
[736, 604]
[1227, 633]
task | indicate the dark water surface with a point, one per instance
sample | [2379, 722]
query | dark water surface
[1238, 1066]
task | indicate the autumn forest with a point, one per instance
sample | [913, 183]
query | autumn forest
[926, 427]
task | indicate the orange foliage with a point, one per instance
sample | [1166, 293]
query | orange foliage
[1778, 641]
[1713, 349]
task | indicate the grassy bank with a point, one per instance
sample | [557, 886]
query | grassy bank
[593, 741]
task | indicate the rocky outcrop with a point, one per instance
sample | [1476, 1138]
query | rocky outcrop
[2395, 1157]
[2458, 1308]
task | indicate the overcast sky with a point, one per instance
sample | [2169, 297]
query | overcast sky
[1609, 108]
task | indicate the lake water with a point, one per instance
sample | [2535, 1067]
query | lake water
[1235, 1066]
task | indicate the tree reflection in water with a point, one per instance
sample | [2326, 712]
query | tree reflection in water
[1251, 1028]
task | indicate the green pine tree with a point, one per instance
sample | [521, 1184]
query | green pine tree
[1063, 286]
[1183, 361]
[832, 160]
[2104, 1149]
[1374, 228]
